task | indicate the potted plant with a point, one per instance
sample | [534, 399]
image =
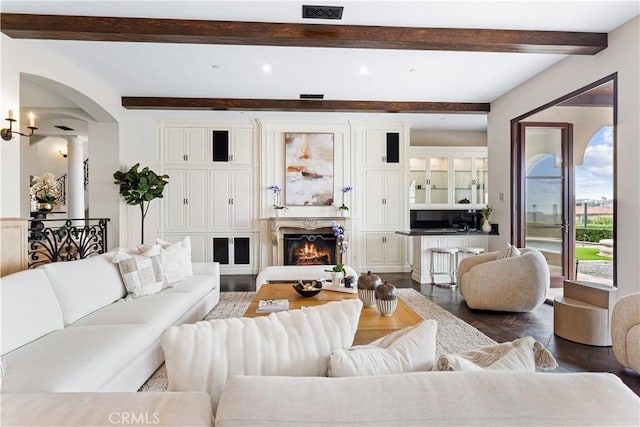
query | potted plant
[45, 192]
[338, 271]
[343, 208]
[140, 187]
[486, 212]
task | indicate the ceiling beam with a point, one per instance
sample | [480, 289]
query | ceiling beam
[97, 28]
[242, 104]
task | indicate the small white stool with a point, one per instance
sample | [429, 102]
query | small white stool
[466, 252]
[452, 253]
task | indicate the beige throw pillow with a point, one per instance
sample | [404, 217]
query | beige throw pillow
[522, 355]
[407, 350]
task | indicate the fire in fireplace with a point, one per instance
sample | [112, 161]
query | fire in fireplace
[309, 249]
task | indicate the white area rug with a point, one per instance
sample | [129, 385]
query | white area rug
[454, 335]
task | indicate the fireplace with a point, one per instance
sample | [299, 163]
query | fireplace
[288, 231]
[309, 249]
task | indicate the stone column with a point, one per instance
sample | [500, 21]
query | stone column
[75, 177]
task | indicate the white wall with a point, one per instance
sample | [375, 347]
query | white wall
[622, 56]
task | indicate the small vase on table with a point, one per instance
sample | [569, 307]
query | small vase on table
[336, 279]
[486, 226]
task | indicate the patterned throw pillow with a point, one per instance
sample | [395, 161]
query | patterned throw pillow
[523, 355]
[407, 350]
[508, 252]
[172, 261]
[142, 275]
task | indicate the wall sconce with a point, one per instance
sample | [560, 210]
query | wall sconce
[7, 133]
[63, 152]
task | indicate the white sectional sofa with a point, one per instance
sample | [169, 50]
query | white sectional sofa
[67, 328]
[478, 398]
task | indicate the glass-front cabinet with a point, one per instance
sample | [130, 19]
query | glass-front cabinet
[448, 177]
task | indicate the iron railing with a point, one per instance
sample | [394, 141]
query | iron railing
[55, 240]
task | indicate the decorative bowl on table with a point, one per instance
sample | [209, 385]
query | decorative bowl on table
[308, 289]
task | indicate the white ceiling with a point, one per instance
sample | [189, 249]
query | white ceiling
[180, 70]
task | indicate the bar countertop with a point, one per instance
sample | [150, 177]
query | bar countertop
[443, 232]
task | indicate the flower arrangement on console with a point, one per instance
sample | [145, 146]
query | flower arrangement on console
[343, 245]
[45, 189]
[345, 190]
[276, 197]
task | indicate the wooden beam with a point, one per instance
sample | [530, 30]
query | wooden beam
[98, 28]
[242, 104]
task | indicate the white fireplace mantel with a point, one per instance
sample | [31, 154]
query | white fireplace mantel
[290, 225]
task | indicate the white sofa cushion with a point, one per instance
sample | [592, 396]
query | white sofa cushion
[75, 359]
[142, 275]
[159, 311]
[486, 398]
[86, 285]
[202, 356]
[30, 309]
[409, 349]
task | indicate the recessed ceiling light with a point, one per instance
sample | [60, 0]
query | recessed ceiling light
[363, 70]
[215, 67]
[266, 68]
[412, 70]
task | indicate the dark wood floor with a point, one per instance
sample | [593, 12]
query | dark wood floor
[502, 327]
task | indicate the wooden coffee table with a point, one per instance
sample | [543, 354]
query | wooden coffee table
[372, 324]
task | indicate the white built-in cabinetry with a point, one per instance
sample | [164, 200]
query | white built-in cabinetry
[384, 208]
[448, 177]
[186, 146]
[186, 200]
[211, 195]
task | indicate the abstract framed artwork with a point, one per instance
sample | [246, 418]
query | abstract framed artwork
[308, 169]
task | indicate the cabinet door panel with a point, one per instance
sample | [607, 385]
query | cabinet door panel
[394, 206]
[241, 250]
[241, 147]
[374, 249]
[199, 146]
[242, 207]
[221, 195]
[197, 199]
[394, 249]
[221, 250]
[174, 201]
[374, 214]
[220, 145]
[392, 148]
[174, 145]
[374, 149]
[199, 248]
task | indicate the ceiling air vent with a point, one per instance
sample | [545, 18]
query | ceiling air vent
[311, 96]
[322, 12]
[63, 127]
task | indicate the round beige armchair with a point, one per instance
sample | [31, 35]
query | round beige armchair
[519, 283]
[625, 331]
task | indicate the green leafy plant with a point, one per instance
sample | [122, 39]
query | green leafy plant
[486, 211]
[140, 187]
